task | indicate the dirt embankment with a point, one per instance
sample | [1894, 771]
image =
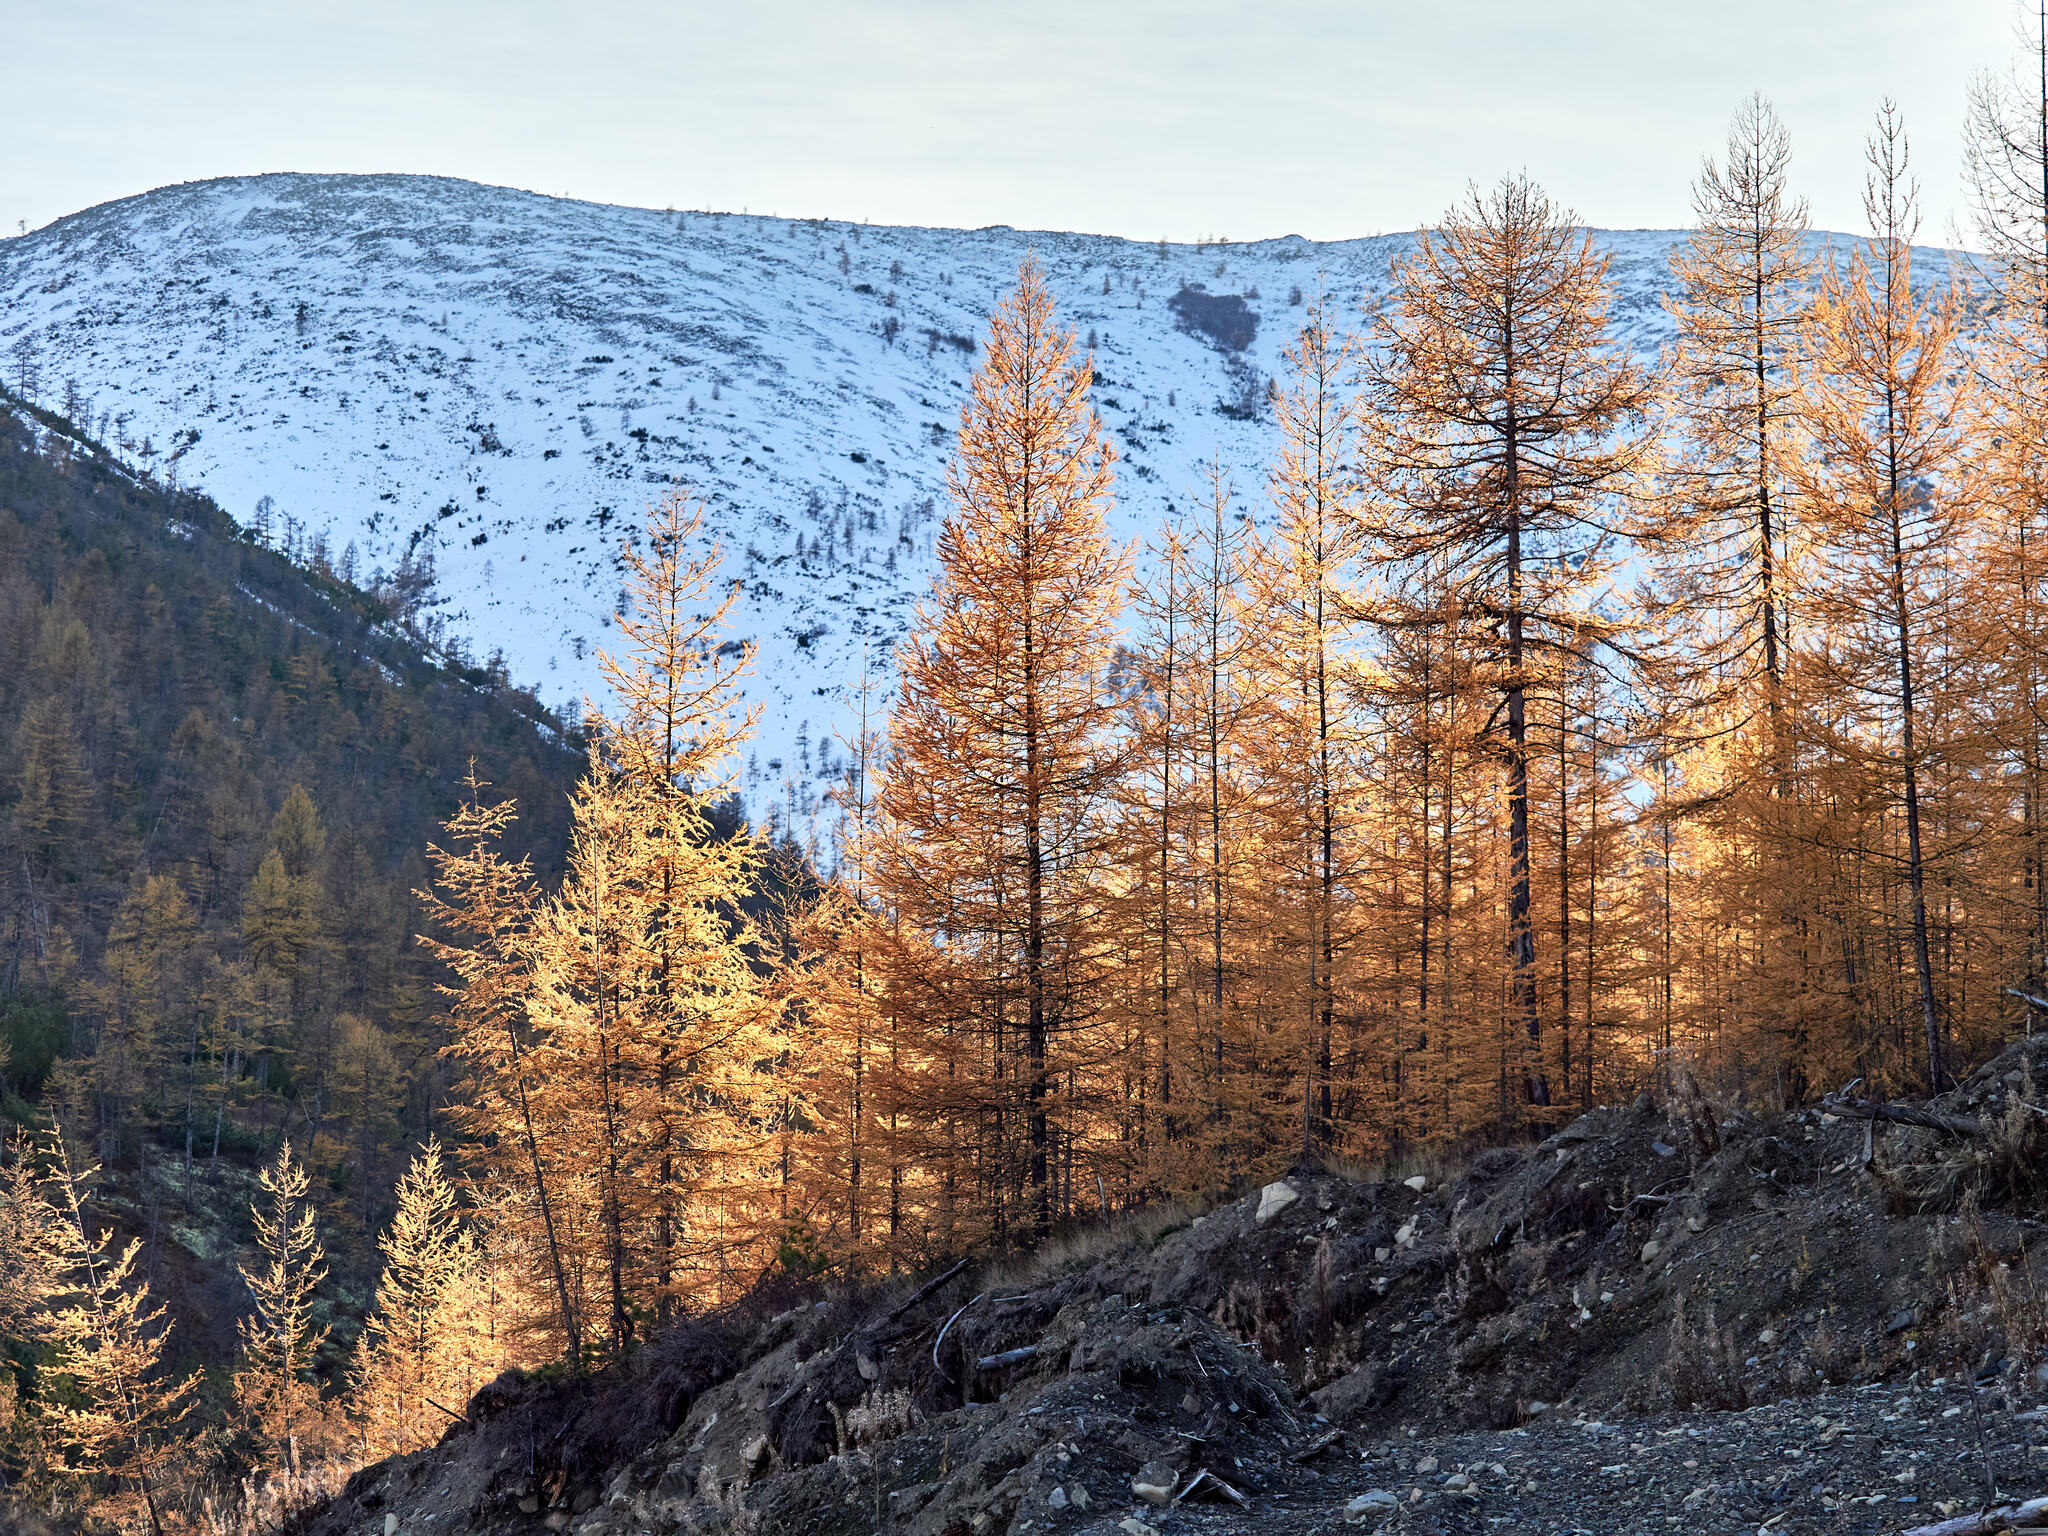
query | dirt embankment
[1665, 1316]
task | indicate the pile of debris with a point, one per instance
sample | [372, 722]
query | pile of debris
[1665, 1316]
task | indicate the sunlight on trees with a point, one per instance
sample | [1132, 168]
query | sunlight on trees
[1545, 724]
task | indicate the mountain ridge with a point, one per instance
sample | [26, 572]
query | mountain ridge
[501, 380]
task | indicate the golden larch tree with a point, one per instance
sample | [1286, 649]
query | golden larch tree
[108, 1343]
[1883, 403]
[1308, 742]
[429, 1342]
[485, 903]
[1000, 754]
[643, 987]
[275, 1390]
[1500, 418]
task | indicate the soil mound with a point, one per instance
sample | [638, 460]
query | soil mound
[1666, 1315]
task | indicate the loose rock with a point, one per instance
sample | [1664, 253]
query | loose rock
[1274, 1199]
[1155, 1484]
[1371, 1507]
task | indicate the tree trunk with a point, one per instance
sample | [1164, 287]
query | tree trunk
[1916, 867]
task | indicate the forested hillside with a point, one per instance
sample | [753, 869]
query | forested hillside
[1569, 726]
[218, 776]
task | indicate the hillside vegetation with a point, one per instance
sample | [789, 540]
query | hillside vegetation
[1571, 729]
[218, 776]
[1667, 1316]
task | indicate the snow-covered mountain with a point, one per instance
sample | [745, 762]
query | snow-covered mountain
[507, 379]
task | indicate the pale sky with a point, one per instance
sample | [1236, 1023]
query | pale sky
[1134, 117]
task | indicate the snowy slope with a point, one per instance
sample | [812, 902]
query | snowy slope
[508, 379]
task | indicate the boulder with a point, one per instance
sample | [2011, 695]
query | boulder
[1274, 1199]
[1371, 1507]
[1155, 1483]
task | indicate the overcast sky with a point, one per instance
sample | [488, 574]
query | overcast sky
[1326, 118]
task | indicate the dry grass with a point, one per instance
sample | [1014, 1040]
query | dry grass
[1439, 1163]
[1703, 1367]
[2005, 1165]
[2017, 1147]
[1696, 1115]
[1996, 1305]
[1080, 1246]
[878, 1416]
[1090, 1242]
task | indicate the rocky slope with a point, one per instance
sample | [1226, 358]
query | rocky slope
[1664, 1317]
[503, 380]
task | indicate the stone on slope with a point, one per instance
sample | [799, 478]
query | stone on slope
[1371, 1507]
[1155, 1483]
[1274, 1199]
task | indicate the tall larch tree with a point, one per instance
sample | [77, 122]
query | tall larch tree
[643, 985]
[148, 1013]
[1722, 534]
[840, 1077]
[1501, 438]
[1743, 277]
[1424, 692]
[1223, 703]
[671, 736]
[108, 1343]
[275, 1387]
[1153, 906]
[2006, 142]
[1000, 754]
[1306, 623]
[1883, 401]
[484, 903]
[429, 1342]
[1187, 830]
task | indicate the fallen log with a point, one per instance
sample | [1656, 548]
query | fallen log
[460, 1418]
[2028, 998]
[924, 1291]
[2030, 1516]
[948, 1329]
[1900, 1114]
[1007, 1357]
[1317, 1446]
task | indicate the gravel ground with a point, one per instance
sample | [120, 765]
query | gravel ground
[1875, 1459]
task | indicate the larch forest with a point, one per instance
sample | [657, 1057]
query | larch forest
[1543, 724]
